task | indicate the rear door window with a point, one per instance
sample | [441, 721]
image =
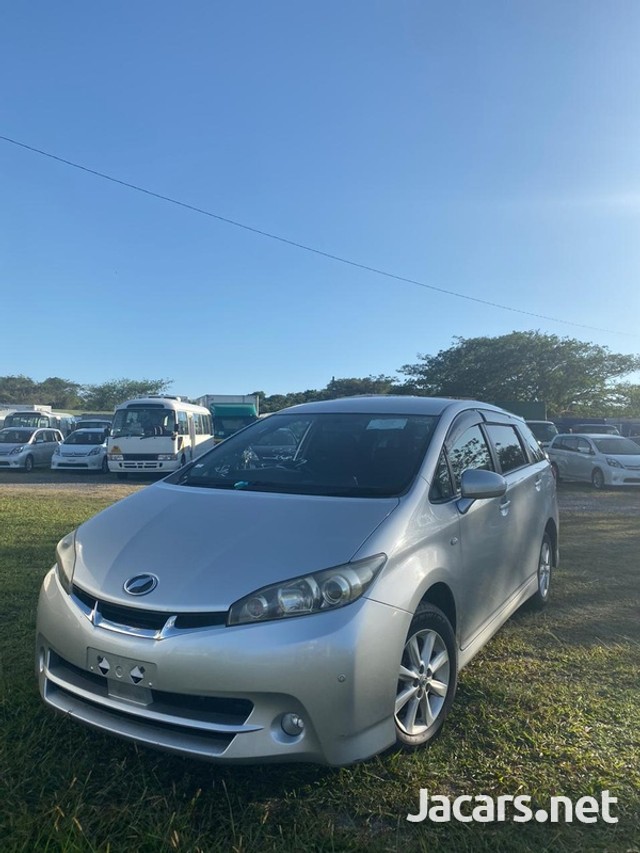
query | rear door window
[509, 450]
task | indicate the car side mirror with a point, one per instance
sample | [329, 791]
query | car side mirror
[476, 484]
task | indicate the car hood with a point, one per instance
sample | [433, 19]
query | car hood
[629, 460]
[209, 547]
[78, 449]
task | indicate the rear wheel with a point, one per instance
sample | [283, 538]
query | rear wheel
[427, 679]
[597, 479]
[540, 598]
[28, 464]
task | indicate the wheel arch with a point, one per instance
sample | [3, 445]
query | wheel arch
[552, 530]
[441, 596]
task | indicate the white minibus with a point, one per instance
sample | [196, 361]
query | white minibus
[156, 434]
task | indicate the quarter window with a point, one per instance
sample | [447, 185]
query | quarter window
[441, 487]
[507, 445]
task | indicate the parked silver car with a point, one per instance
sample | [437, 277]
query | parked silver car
[602, 460]
[316, 606]
[28, 448]
[82, 450]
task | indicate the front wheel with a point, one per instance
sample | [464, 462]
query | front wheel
[105, 465]
[427, 679]
[597, 479]
[28, 464]
[540, 598]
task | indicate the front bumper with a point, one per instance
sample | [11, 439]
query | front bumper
[76, 463]
[12, 462]
[221, 693]
[624, 477]
[140, 466]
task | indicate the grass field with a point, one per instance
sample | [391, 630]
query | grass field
[550, 707]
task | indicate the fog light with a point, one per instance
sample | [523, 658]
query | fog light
[292, 724]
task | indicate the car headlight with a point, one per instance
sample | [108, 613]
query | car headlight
[66, 560]
[613, 463]
[17, 450]
[95, 451]
[312, 593]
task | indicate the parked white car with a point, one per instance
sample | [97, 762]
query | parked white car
[603, 460]
[28, 448]
[82, 450]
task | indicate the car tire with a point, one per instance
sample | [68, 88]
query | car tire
[597, 479]
[428, 678]
[28, 465]
[540, 598]
[105, 465]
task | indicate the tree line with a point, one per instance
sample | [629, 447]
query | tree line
[570, 376]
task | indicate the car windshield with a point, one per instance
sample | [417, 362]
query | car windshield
[596, 428]
[15, 436]
[85, 438]
[353, 455]
[26, 419]
[143, 420]
[543, 431]
[617, 446]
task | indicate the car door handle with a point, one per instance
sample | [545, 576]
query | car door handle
[504, 507]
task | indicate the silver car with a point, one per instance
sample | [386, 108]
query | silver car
[602, 460]
[82, 450]
[28, 448]
[315, 604]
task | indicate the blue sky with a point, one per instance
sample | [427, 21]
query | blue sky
[482, 147]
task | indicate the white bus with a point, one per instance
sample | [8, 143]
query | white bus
[41, 418]
[156, 434]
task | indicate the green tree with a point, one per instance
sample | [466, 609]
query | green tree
[351, 387]
[565, 373]
[19, 390]
[60, 393]
[110, 394]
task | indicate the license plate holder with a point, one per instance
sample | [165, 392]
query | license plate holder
[121, 669]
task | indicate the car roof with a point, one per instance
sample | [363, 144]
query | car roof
[96, 430]
[391, 404]
[587, 435]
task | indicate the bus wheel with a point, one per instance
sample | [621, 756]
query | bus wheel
[183, 460]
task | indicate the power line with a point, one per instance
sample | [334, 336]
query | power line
[304, 247]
